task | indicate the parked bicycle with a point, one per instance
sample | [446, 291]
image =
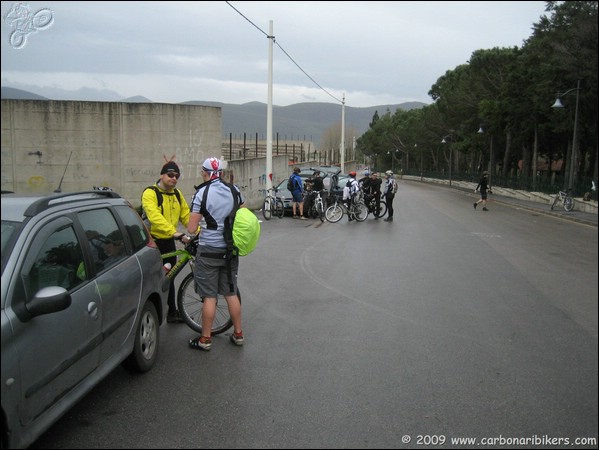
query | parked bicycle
[370, 202]
[316, 206]
[273, 205]
[336, 211]
[565, 198]
[188, 301]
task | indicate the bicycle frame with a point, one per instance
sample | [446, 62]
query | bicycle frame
[317, 208]
[273, 205]
[354, 212]
[189, 301]
[565, 198]
[183, 257]
[370, 202]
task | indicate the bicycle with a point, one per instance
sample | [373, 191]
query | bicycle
[370, 202]
[565, 198]
[273, 205]
[188, 301]
[317, 206]
[357, 211]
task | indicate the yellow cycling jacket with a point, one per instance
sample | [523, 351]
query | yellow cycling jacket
[164, 219]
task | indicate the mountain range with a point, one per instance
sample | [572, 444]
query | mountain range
[300, 121]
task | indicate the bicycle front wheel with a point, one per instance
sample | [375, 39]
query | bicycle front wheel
[382, 209]
[360, 212]
[568, 204]
[334, 213]
[279, 208]
[266, 209]
[320, 211]
[190, 306]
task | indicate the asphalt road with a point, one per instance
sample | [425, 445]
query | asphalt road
[448, 323]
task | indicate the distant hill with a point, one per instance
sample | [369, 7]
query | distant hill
[136, 99]
[301, 121]
[19, 94]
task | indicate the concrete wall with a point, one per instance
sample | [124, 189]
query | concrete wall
[119, 145]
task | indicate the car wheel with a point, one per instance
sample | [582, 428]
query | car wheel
[145, 347]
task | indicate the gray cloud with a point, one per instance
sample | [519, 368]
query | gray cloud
[376, 52]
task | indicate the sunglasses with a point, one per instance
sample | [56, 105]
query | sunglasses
[173, 175]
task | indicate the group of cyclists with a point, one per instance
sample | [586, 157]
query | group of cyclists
[369, 186]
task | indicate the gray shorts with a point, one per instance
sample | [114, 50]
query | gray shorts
[211, 275]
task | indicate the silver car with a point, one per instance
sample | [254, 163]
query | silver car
[83, 291]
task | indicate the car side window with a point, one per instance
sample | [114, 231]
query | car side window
[103, 236]
[137, 232]
[55, 263]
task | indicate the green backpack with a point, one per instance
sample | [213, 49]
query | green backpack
[246, 231]
[242, 227]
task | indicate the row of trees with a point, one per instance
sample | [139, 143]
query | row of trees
[495, 112]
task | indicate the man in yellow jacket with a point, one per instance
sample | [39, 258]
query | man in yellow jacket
[165, 207]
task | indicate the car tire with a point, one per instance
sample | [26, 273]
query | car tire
[145, 346]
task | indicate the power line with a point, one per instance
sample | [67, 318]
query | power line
[287, 54]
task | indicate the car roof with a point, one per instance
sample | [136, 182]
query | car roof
[14, 207]
[17, 208]
[328, 170]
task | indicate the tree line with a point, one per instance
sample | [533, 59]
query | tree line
[496, 112]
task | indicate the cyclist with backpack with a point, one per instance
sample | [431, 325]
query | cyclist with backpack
[296, 187]
[216, 266]
[389, 192]
[164, 208]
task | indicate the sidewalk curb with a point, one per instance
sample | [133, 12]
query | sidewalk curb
[530, 201]
[562, 215]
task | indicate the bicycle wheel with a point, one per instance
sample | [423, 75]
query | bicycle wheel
[334, 213]
[382, 209]
[266, 211]
[320, 210]
[279, 208]
[360, 212]
[568, 204]
[190, 306]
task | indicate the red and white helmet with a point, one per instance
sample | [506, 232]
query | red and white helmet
[212, 166]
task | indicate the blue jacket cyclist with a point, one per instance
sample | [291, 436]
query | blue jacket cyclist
[297, 194]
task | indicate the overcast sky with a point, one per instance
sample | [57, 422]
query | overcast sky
[375, 53]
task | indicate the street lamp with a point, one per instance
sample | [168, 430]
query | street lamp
[558, 104]
[389, 152]
[443, 141]
[491, 157]
[421, 175]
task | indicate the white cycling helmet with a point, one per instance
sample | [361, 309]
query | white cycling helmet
[213, 166]
[389, 173]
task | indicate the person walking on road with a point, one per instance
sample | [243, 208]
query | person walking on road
[483, 185]
[389, 192]
[165, 207]
[215, 270]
